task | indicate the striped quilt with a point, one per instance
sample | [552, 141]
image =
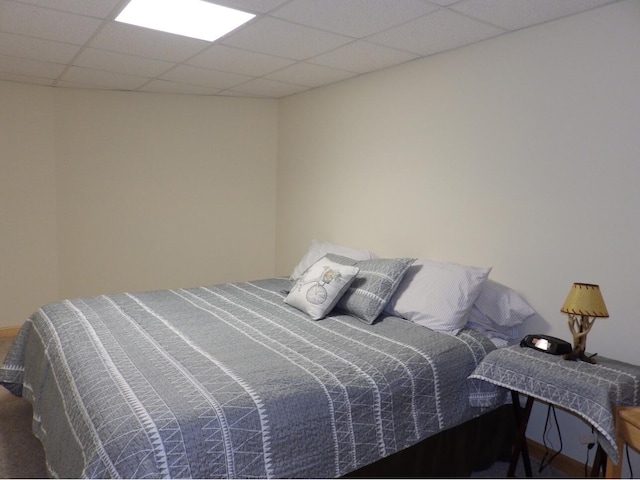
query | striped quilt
[229, 381]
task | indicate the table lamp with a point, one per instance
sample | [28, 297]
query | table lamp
[583, 305]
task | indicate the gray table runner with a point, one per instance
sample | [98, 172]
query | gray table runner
[588, 390]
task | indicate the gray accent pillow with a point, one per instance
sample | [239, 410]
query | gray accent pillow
[373, 286]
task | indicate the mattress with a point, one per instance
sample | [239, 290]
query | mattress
[229, 381]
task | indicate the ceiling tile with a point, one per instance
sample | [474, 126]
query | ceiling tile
[91, 8]
[230, 59]
[143, 42]
[236, 94]
[32, 21]
[436, 32]
[255, 6]
[362, 57]
[121, 63]
[262, 87]
[12, 77]
[355, 18]
[108, 80]
[163, 86]
[204, 77]
[284, 39]
[516, 14]
[32, 68]
[291, 46]
[310, 75]
[36, 49]
[443, 3]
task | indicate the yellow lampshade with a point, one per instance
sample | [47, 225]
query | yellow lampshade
[585, 299]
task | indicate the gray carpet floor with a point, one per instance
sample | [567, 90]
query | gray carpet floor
[21, 454]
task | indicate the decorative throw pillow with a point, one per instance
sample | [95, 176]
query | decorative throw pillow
[373, 286]
[320, 287]
[317, 250]
[438, 295]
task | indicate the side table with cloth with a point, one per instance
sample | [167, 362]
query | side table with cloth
[587, 390]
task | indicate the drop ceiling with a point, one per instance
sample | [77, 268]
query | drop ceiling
[290, 46]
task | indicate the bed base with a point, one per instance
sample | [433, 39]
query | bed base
[457, 452]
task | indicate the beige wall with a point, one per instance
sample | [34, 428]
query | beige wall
[160, 191]
[28, 236]
[111, 191]
[522, 152]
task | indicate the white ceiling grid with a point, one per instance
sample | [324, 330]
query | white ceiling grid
[290, 46]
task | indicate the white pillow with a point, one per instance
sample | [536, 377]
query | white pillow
[479, 322]
[317, 250]
[503, 305]
[438, 295]
[320, 287]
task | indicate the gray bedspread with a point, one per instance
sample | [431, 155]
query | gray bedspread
[229, 381]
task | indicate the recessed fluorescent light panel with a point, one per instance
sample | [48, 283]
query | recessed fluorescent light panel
[191, 18]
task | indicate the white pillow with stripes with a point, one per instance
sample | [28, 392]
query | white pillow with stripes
[438, 295]
[479, 322]
[319, 249]
[503, 305]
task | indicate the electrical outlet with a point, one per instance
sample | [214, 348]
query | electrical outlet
[587, 438]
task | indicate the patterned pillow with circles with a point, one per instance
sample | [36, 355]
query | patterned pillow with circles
[320, 287]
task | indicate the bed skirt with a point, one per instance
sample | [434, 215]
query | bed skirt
[457, 452]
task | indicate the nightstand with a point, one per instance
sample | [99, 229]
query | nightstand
[590, 391]
[627, 431]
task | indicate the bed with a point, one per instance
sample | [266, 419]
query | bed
[232, 381]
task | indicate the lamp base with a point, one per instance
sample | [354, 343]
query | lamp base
[578, 354]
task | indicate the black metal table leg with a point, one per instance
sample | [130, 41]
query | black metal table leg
[599, 463]
[520, 443]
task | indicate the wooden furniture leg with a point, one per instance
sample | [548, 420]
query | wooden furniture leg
[627, 432]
